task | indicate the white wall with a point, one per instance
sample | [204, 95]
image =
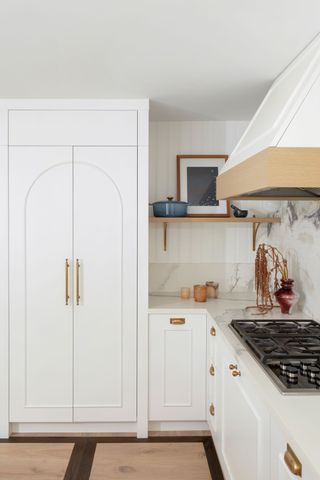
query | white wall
[196, 252]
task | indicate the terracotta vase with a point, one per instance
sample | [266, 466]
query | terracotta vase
[286, 296]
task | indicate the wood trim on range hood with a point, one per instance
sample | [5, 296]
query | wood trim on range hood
[274, 173]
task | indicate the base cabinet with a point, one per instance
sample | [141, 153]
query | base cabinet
[244, 425]
[249, 441]
[286, 463]
[239, 422]
[177, 367]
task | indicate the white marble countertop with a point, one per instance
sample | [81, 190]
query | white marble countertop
[298, 415]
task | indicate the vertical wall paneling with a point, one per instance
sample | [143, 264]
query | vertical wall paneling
[217, 250]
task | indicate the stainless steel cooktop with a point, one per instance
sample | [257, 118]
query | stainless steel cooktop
[289, 351]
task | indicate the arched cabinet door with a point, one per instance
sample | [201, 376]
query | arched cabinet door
[105, 252]
[40, 230]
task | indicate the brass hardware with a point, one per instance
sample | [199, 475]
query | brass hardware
[212, 370]
[233, 366]
[177, 321]
[236, 373]
[165, 236]
[292, 461]
[67, 281]
[213, 331]
[212, 409]
[78, 280]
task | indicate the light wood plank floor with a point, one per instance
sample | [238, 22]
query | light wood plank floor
[152, 461]
[34, 461]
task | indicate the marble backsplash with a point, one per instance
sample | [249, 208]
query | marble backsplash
[170, 277]
[298, 238]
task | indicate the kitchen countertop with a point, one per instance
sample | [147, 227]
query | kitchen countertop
[298, 415]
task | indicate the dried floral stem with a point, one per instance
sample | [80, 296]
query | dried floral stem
[269, 263]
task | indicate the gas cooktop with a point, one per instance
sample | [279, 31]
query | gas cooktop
[289, 351]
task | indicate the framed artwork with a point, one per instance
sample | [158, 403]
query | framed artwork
[196, 184]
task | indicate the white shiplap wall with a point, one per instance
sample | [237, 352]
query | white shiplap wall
[193, 243]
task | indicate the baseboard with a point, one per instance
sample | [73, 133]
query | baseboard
[108, 429]
[178, 426]
[75, 428]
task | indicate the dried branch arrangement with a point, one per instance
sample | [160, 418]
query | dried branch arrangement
[269, 263]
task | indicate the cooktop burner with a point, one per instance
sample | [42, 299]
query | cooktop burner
[277, 327]
[289, 350]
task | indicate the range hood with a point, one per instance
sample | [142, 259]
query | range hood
[278, 155]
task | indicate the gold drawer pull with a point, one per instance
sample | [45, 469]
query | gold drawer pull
[233, 366]
[292, 461]
[78, 281]
[67, 296]
[213, 331]
[236, 373]
[211, 409]
[177, 321]
[212, 370]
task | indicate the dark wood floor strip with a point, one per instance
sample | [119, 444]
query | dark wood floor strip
[212, 458]
[80, 463]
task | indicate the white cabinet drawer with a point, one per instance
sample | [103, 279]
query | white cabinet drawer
[177, 367]
[282, 447]
[73, 127]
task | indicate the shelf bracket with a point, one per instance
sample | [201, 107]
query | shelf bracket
[165, 233]
[255, 227]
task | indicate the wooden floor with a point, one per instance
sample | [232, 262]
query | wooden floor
[103, 458]
[157, 461]
[34, 461]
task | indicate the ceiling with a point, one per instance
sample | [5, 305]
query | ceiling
[195, 59]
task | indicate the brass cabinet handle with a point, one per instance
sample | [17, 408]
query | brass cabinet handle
[212, 370]
[67, 281]
[78, 280]
[212, 409]
[236, 373]
[233, 366]
[177, 321]
[213, 331]
[292, 461]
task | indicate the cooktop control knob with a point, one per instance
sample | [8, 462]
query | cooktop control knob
[292, 374]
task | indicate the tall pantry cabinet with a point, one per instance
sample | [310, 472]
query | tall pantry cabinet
[75, 217]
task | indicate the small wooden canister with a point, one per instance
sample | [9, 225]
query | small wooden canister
[200, 293]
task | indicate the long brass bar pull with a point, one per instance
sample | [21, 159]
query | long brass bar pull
[78, 280]
[67, 265]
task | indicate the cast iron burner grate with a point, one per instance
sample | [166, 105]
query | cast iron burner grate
[296, 342]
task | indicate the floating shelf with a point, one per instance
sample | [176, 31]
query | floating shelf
[255, 221]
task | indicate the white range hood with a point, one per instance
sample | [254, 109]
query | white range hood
[278, 156]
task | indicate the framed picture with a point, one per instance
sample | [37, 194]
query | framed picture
[196, 184]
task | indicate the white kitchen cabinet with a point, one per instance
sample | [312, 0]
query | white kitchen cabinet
[105, 244]
[212, 377]
[73, 283]
[177, 367]
[281, 448]
[72, 127]
[242, 440]
[41, 323]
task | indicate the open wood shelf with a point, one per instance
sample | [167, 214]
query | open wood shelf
[255, 221]
[214, 219]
